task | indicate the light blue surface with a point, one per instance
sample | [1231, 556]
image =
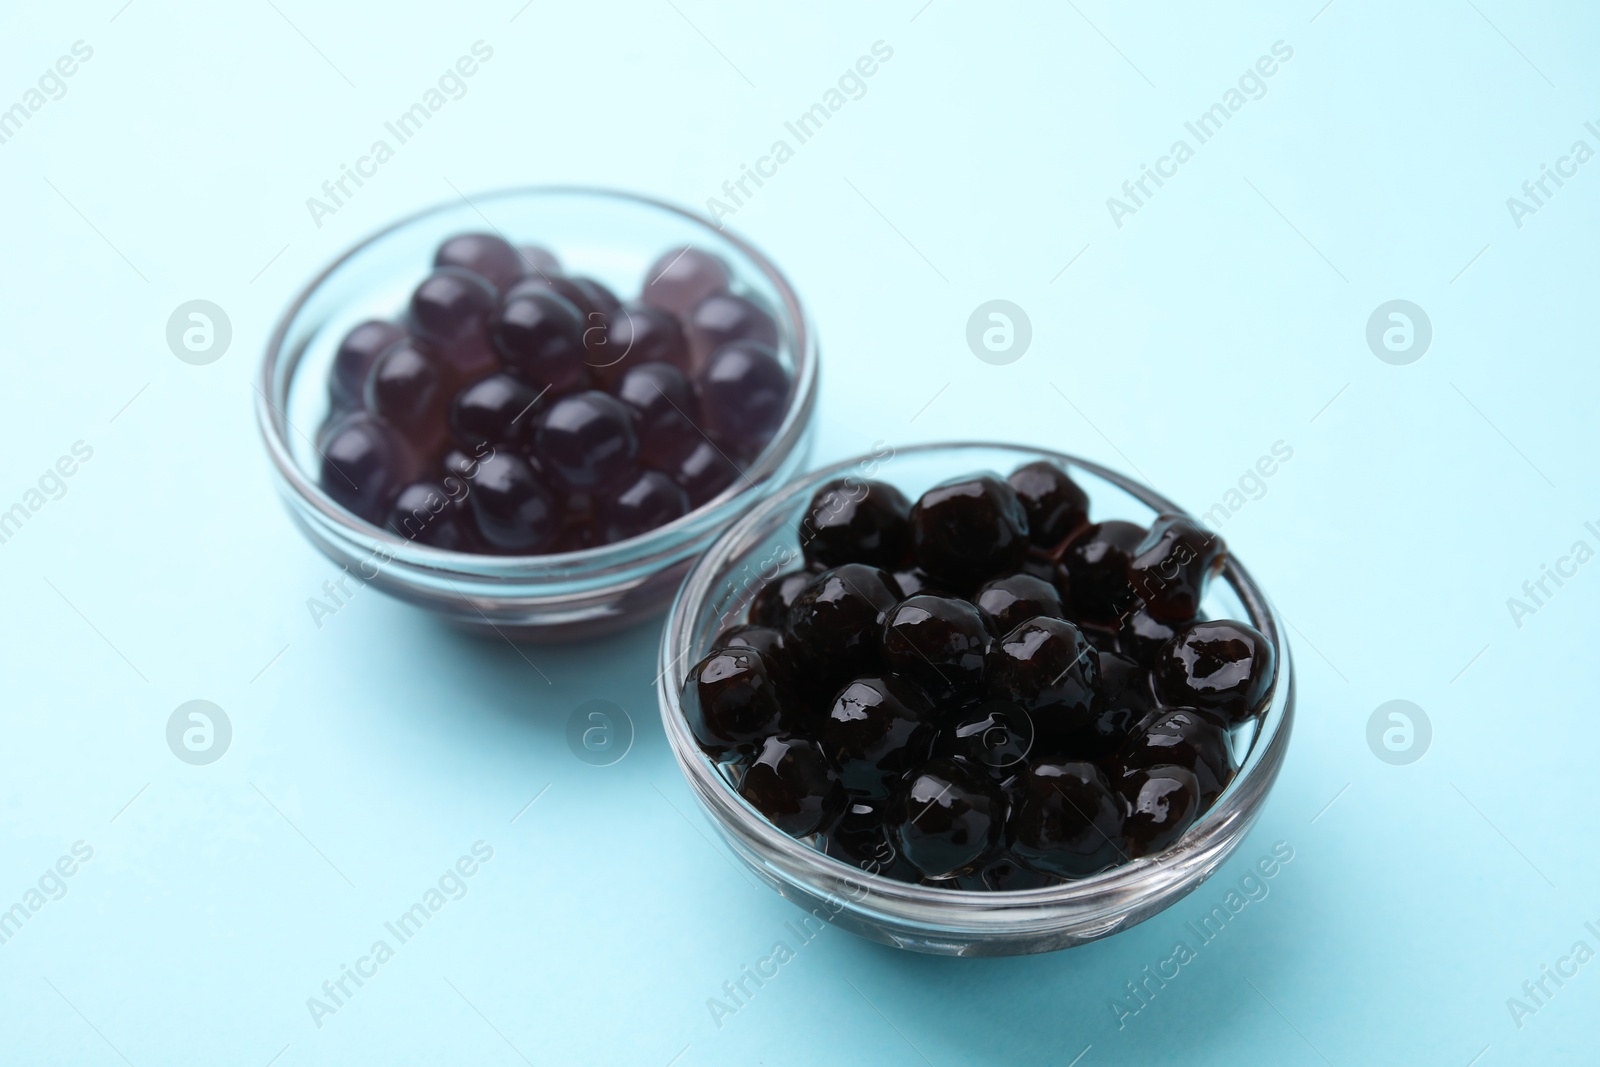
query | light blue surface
[1227, 314]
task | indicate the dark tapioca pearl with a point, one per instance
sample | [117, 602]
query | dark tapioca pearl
[834, 623]
[860, 839]
[731, 701]
[879, 728]
[463, 463]
[853, 521]
[601, 301]
[793, 785]
[540, 337]
[664, 406]
[352, 364]
[1005, 602]
[1163, 801]
[1171, 566]
[1143, 637]
[514, 510]
[723, 318]
[682, 278]
[635, 333]
[992, 733]
[1046, 570]
[1223, 666]
[1097, 571]
[432, 513]
[407, 389]
[587, 439]
[1008, 874]
[764, 639]
[913, 580]
[451, 306]
[538, 261]
[1185, 737]
[1057, 506]
[770, 605]
[488, 256]
[651, 500]
[1048, 667]
[938, 642]
[969, 529]
[1125, 699]
[703, 471]
[499, 410]
[560, 285]
[1069, 821]
[364, 464]
[946, 817]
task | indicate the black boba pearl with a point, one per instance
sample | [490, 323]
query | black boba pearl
[1223, 666]
[946, 816]
[1048, 667]
[538, 261]
[568, 289]
[407, 389]
[364, 464]
[540, 337]
[968, 529]
[488, 256]
[651, 500]
[1163, 801]
[1143, 636]
[1188, 738]
[723, 318]
[635, 333]
[852, 521]
[703, 471]
[1069, 820]
[860, 839]
[731, 701]
[353, 362]
[1057, 506]
[451, 305]
[1097, 571]
[587, 439]
[1008, 874]
[1125, 699]
[770, 605]
[793, 785]
[879, 728]
[497, 410]
[834, 623]
[764, 639]
[601, 302]
[434, 514]
[683, 277]
[514, 510]
[664, 406]
[1171, 566]
[993, 733]
[463, 464]
[744, 393]
[1005, 602]
[913, 580]
[938, 642]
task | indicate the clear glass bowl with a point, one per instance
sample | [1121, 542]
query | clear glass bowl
[610, 236]
[946, 921]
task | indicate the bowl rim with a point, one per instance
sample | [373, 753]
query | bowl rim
[662, 542]
[1260, 765]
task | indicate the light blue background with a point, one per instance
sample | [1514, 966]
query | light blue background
[1228, 314]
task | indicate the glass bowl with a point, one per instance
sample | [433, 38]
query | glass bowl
[610, 236]
[948, 921]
